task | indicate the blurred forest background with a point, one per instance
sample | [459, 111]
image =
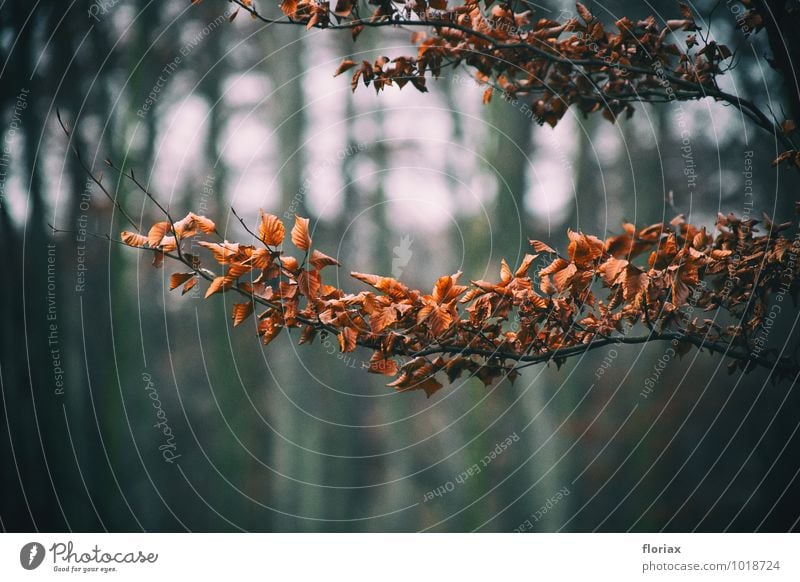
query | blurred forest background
[404, 184]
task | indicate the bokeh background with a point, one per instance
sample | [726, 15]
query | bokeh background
[405, 184]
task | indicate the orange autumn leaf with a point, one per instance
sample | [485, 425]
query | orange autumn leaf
[156, 233]
[270, 229]
[381, 318]
[583, 249]
[319, 260]
[634, 282]
[289, 7]
[436, 317]
[541, 247]
[189, 285]
[611, 269]
[215, 286]
[178, 279]
[133, 239]
[347, 339]
[225, 252]
[241, 311]
[505, 272]
[379, 364]
[309, 284]
[446, 289]
[300, 236]
[527, 261]
[345, 65]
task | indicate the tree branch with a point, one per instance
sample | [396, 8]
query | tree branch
[583, 67]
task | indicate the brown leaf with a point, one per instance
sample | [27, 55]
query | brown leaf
[584, 12]
[382, 318]
[270, 229]
[133, 239]
[189, 285]
[241, 311]
[268, 328]
[611, 270]
[485, 286]
[634, 282]
[421, 379]
[522, 271]
[347, 339]
[186, 227]
[205, 225]
[505, 272]
[224, 253]
[372, 280]
[300, 236]
[308, 334]
[289, 7]
[392, 287]
[554, 267]
[540, 247]
[286, 290]
[583, 249]
[260, 259]
[562, 278]
[290, 264]
[619, 246]
[158, 259]
[456, 366]
[178, 279]
[380, 364]
[488, 374]
[215, 286]
[235, 271]
[320, 260]
[546, 285]
[156, 233]
[168, 244]
[680, 291]
[309, 284]
[346, 65]
[429, 385]
[438, 318]
[343, 8]
[446, 289]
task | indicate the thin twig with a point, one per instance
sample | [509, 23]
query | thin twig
[91, 175]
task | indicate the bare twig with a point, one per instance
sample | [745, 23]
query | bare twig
[91, 175]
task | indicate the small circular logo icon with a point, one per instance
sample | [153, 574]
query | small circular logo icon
[31, 555]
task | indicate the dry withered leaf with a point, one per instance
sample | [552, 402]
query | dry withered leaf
[270, 229]
[300, 236]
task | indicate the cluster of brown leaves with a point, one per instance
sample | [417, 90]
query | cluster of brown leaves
[544, 310]
[551, 64]
[558, 63]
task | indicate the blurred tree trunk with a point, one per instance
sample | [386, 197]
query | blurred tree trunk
[782, 22]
